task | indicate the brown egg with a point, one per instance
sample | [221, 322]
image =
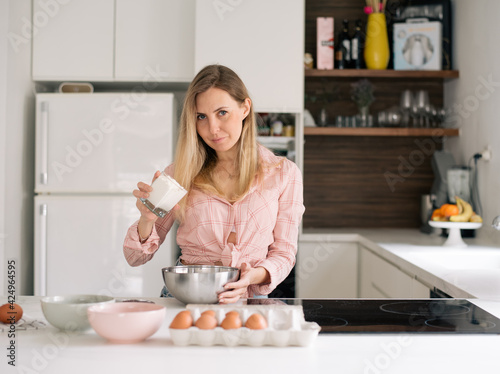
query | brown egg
[10, 313]
[209, 313]
[182, 320]
[231, 322]
[206, 322]
[232, 313]
[256, 322]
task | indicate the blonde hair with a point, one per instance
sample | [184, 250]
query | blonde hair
[194, 159]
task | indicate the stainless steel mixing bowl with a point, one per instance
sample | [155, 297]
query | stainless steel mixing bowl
[198, 284]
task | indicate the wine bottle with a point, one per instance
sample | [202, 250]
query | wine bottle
[339, 54]
[346, 41]
[343, 50]
[357, 45]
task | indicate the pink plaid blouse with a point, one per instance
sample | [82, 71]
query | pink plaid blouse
[266, 222]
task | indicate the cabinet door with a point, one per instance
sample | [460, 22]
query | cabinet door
[262, 41]
[420, 290]
[326, 270]
[95, 143]
[73, 40]
[379, 278]
[154, 40]
[79, 248]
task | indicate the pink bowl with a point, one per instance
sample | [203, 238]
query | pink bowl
[126, 322]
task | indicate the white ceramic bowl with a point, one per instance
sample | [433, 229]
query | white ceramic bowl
[127, 322]
[70, 312]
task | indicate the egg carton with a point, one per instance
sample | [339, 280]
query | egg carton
[286, 327]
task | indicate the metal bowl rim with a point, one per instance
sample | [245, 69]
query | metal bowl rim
[220, 269]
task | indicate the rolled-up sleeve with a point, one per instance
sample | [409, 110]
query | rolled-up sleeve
[137, 253]
[282, 252]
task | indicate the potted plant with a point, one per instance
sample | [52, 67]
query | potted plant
[362, 95]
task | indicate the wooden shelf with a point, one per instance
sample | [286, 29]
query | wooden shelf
[379, 131]
[365, 73]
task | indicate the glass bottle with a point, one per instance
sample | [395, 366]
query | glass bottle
[357, 45]
[343, 52]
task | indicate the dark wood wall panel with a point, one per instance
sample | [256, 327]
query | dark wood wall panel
[345, 181]
[344, 177]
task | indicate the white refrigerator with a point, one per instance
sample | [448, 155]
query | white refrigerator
[91, 150]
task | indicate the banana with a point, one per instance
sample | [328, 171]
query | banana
[440, 219]
[465, 210]
[475, 218]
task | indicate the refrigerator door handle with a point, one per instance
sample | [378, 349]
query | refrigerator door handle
[41, 261]
[44, 123]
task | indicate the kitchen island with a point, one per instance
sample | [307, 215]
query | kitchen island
[48, 350]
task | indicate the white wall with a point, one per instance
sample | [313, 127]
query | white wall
[476, 104]
[17, 123]
[4, 11]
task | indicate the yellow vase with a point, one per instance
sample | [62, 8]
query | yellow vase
[377, 43]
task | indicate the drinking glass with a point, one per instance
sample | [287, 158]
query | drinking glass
[422, 104]
[339, 121]
[405, 105]
[166, 193]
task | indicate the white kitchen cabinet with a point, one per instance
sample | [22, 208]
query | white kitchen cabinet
[73, 40]
[114, 40]
[379, 278]
[419, 290]
[262, 41]
[155, 35]
[326, 269]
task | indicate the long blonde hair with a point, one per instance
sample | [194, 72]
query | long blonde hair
[194, 159]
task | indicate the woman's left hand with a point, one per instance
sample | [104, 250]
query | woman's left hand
[248, 276]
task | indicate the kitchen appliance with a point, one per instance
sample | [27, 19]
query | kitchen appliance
[441, 162]
[426, 209]
[459, 183]
[417, 45]
[496, 223]
[435, 11]
[458, 316]
[91, 150]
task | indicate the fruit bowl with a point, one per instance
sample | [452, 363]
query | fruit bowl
[454, 235]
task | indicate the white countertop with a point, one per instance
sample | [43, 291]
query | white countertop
[485, 236]
[416, 254]
[48, 350]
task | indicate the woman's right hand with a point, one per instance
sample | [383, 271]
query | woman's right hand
[143, 191]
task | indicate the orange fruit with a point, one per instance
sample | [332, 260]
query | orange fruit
[436, 214]
[449, 210]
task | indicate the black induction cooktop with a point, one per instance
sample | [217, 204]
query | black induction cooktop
[394, 315]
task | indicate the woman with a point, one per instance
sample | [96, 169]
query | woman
[243, 205]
